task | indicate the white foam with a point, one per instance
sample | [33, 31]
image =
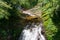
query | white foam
[32, 33]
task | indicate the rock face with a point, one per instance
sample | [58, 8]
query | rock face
[32, 13]
[29, 15]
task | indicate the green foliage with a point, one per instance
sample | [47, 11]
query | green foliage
[27, 4]
[8, 8]
[4, 10]
[48, 8]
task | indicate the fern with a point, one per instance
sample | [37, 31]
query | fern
[4, 10]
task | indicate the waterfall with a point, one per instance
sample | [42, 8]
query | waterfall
[32, 32]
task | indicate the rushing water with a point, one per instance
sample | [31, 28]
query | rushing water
[32, 32]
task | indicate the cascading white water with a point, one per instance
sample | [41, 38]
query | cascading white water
[32, 32]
